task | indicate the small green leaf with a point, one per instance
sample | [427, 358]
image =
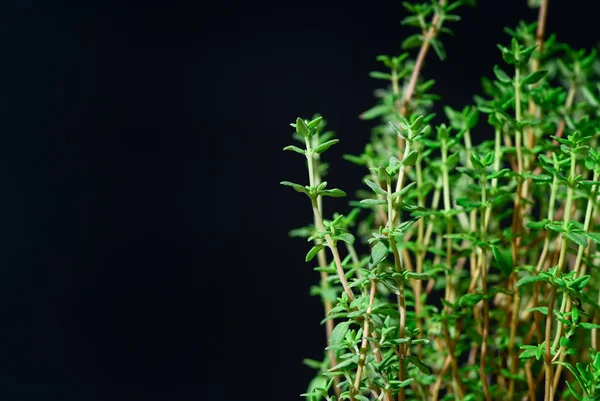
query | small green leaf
[334, 193]
[573, 392]
[504, 260]
[319, 381]
[412, 41]
[589, 326]
[380, 75]
[346, 237]
[301, 128]
[469, 300]
[419, 364]
[295, 149]
[374, 112]
[536, 225]
[343, 364]
[594, 237]
[542, 309]
[313, 252]
[501, 75]
[417, 276]
[529, 280]
[438, 47]
[397, 384]
[411, 158]
[534, 77]
[579, 239]
[339, 333]
[376, 188]
[373, 202]
[297, 187]
[314, 123]
[325, 145]
[404, 190]
[378, 253]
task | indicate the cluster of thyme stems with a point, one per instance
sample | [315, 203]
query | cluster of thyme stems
[386, 338]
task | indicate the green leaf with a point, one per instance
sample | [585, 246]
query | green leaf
[536, 225]
[311, 363]
[594, 237]
[346, 237]
[313, 252]
[534, 77]
[373, 202]
[319, 381]
[325, 145]
[504, 260]
[411, 158]
[542, 309]
[380, 75]
[579, 239]
[314, 123]
[376, 188]
[334, 193]
[297, 187]
[397, 384]
[343, 364]
[378, 254]
[438, 47]
[529, 280]
[528, 353]
[419, 364]
[589, 326]
[469, 300]
[501, 75]
[412, 41]
[374, 112]
[339, 333]
[301, 128]
[295, 149]
[417, 276]
[507, 55]
[404, 190]
[555, 227]
[573, 371]
[573, 392]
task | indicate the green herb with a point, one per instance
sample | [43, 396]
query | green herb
[477, 280]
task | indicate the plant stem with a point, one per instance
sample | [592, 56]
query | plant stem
[412, 83]
[329, 323]
[400, 297]
[548, 393]
[517, 228]
[449, 295]
[566, 301]
[420, 256]
[319, 223]
[363, 347]
[322, 259]
[486, 305]
[535, 63]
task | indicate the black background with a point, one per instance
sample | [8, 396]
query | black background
[146, 249]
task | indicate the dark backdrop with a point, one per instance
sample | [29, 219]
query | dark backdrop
[146, 254]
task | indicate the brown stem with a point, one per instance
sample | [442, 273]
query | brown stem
[435, 390]
[334, 252]
[485, 333]
[363, 347]
[402, 311]
[412, 83]
[329, 323]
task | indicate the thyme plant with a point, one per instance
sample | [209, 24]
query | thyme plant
[479, 281]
